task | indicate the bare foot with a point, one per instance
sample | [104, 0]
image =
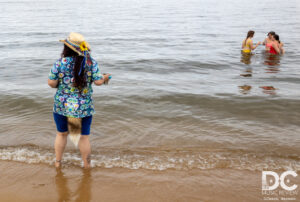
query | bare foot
[88, 166]
[58, 164]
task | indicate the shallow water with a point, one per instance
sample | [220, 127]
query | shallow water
[182, 96]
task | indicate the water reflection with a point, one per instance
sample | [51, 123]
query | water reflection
[83, 192]
[272, 63]
[247, 72]
[246, 58]
[272, 70]
[270, 90]
[84, 188]
[271, 60]
[62, 186]
[245, 89]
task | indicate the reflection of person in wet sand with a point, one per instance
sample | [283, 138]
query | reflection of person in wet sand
[62, 186]
[83, 192]
[84, 188]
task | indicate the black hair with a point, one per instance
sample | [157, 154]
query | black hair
[272, 33]
[79, 80]
[276, 37]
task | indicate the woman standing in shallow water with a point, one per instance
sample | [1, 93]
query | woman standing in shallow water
[247, 45]
[73, 75]
[268, 41]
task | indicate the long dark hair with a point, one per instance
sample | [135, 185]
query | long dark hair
[79, 80]
[276, 37]
[249, 34]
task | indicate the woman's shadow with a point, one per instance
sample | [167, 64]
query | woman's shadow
[82, 193]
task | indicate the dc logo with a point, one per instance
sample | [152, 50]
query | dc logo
[277, 180]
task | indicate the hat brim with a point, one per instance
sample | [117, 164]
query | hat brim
[72, 47]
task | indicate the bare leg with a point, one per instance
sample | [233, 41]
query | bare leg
[85, 149]
[60, 144]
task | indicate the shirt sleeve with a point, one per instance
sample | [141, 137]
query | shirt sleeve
[96, 75]
[53, 74]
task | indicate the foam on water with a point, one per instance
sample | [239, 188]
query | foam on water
[159, 160]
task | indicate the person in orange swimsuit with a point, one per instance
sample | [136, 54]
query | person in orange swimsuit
[268, 41]
[247, 45]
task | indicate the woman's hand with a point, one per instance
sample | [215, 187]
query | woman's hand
[253, 47]
[104, 80]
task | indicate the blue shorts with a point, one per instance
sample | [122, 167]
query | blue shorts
[62, 123]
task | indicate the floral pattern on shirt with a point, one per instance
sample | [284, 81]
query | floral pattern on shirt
[68, 100]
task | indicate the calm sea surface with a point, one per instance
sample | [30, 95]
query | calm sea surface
[181, 96]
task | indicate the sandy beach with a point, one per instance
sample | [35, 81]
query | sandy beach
[38, 182]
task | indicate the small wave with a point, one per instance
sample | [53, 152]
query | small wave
[157, 160]
[162, 65]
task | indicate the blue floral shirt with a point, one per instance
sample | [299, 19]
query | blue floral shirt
[68, 100]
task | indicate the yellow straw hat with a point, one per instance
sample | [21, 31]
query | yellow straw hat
[77, 43]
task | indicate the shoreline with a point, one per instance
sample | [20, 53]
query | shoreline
[40, 182]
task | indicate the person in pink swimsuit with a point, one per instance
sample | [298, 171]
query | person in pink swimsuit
[268, 41]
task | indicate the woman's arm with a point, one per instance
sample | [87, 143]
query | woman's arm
[276, 47]
[253, 47]
[52, 83]
[281, 44]
[281, 48]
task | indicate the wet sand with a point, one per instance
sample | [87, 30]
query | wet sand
[40, 182]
